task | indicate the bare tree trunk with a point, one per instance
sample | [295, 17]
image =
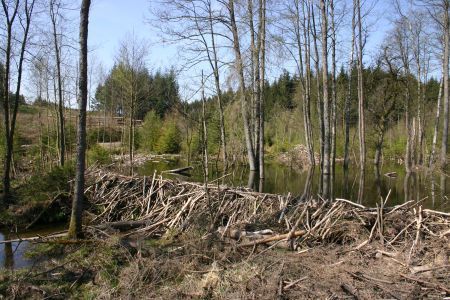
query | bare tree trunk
[262, 74]
[446, 96]
[436, 126]
[420, 129]
[326, 104]
[242, 89]
[408, 155]
[53, 15]
[215, 67]
[349, 95]
[6, 104]
[361, 127]
[254, 76]
[131, 129]
[320, 107]
[75, 227]
[333, 98]
[307, 86]
[205, 136]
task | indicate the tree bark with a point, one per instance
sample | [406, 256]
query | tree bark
[75, 227]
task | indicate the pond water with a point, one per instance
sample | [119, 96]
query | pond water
[13, 255]
[432, 189]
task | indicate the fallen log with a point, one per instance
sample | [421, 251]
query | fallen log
[35, 238]
[124, 225]
[179, 170]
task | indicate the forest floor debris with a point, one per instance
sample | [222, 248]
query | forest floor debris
[165, 239]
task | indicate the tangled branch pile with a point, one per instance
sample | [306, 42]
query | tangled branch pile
[156, 205]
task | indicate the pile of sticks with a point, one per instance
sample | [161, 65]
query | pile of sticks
[154, 205]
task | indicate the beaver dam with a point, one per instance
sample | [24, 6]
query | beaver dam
[149, 237]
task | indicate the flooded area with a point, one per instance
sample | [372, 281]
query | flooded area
[433, 190]
[13, 255]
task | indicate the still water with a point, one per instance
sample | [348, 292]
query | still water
[432, 189]
[14, 255]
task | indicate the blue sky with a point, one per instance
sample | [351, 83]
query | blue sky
[112, 20]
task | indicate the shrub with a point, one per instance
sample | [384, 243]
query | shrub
[170, 139]
[150, 131]
[41, 187]
[98, 154]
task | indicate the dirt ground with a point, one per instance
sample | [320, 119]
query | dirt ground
[209, 267]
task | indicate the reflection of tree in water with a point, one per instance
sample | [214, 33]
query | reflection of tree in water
[9, 256]
[362, 176]
[378, 180]
[407, 186]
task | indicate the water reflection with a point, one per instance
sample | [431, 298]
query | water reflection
[362, 180]
[9, 256]
[366, 187]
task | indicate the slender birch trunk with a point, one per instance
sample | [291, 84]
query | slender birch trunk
[361, 123]
[242, 88]
[326, 104]
[349, 95]
[431, 159]
[446, 95]
[53, 15]
[262, 73]
[320, 107]
[215, 67]
[333, 98]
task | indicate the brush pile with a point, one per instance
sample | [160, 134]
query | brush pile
[157, 205]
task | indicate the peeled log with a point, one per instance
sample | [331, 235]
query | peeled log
[273, 238]
[179, 170]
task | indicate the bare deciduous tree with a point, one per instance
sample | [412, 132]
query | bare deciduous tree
[75, 227]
